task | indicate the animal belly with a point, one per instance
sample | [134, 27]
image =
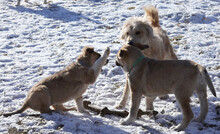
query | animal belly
[66, 93]
[157, 91]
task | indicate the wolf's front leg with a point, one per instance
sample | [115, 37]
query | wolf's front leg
[135, 103]
[125, 96]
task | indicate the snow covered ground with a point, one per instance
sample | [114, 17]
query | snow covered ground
[37, 40]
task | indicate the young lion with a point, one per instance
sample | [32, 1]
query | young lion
[67, 84]
[153, 78]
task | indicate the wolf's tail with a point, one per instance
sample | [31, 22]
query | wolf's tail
[151, 14]
[208, 81]
[22, 109]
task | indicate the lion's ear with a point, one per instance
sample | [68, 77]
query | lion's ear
[122, 35]
[89, 50]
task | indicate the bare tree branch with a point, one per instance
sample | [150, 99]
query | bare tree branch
[106, 111]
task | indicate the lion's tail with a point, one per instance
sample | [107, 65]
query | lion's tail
[151, 14]
[208, 80]
[22, 109]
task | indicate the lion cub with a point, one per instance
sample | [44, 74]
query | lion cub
[155, 78]
[67, 84]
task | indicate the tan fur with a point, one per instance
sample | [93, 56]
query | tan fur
[65, 85]
[151, 34]
[147, 31]
[151, 14]
[153, 78]
[19, 2]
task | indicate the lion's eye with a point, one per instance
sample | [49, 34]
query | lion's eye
[127, 33]
[138, 32]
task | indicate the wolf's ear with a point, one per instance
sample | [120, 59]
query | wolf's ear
[122, 53]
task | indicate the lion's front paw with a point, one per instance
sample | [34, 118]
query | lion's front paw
[119, 106]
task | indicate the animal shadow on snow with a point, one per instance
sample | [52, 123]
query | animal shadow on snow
[146, 127]
[68, 122]
[196, 18]
[199, 18]
[169, 121]
[102, 0]
[55, 12]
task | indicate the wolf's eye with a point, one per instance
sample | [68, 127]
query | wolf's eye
[138, 32]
